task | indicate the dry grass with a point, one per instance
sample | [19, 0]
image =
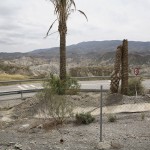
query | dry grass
[8, 77]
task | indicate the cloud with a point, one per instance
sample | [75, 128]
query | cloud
[23, 24]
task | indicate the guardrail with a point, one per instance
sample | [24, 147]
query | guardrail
[21, 81]
[37, 90]
[21, 92]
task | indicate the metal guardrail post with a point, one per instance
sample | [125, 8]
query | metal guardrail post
[101, 119]
[21, 95]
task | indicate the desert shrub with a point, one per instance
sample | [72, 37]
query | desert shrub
[84, 118]
[112, 118]
[52, 98]
[135, 84]
[55, 106]
[61, 87]
[142, 116]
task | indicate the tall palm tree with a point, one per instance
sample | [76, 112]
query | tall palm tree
[63, 9]
[124, 83]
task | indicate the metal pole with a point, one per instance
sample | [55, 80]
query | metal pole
[21, 95]
[101, 114]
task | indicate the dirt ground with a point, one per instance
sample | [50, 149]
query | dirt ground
[131, 131]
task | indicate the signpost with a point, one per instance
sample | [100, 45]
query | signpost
[136, 72]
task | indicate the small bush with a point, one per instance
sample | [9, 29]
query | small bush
[112, 118]
[55, 106]
[53, 101]
[61, 87]
[142, 116]
[135, 84]
[84, 118]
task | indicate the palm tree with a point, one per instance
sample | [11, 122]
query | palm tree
[115, 77]
[124, 83]
[63, 9]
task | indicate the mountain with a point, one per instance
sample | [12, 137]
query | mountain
[83, 59]
[97, 51]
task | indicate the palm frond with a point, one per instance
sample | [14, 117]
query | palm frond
[50, 34]
[83, 14]
[73, 3]
[50, 28]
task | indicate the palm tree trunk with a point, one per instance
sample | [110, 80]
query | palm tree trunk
[62, 32]
[115, 77]
[124, 84]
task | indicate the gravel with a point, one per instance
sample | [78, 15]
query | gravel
[131, 131]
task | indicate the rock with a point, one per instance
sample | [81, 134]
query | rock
[33, 142]
[76, 97]
[40, 126]
[18, 146]
[25, 126]
[116, 145]
[12, 143]
[104, 145]
[6, 119]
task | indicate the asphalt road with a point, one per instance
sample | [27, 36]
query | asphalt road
[84, 85]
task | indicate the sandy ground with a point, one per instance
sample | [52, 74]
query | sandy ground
[131, 131]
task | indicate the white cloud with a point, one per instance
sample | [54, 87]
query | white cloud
[23, 24]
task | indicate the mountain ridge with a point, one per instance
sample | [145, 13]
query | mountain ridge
[93, 49]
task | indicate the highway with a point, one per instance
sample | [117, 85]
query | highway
[84, 85]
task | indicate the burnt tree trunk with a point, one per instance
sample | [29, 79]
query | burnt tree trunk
[115, 77]
[124, 71]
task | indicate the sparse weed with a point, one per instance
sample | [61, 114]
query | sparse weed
[84, 118]
[142, 116]
[112, 118]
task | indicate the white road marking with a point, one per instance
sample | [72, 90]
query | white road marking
[93, 84]
[33, 86]
[26, 86]
[22, 88]
[39, 87]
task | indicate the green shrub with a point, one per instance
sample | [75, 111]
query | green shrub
[142, 116]
[55, 106]
[52, 99]
[61, 87]
[112, 118]
[84, 118]
[135, 84]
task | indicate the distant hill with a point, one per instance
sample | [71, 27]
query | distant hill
[99, 51]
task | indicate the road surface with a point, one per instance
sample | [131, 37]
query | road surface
[84, 85]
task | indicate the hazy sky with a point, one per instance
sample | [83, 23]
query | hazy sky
[24, 23]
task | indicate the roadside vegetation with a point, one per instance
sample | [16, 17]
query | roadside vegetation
[53, 101]
[8, 77]
[135, 87]
[112, 118]
[88, 71]
[84, 118]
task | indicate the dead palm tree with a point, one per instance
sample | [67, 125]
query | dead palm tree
[63, 9]
[124, 83]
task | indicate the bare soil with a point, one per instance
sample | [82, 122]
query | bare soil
[131, 131]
